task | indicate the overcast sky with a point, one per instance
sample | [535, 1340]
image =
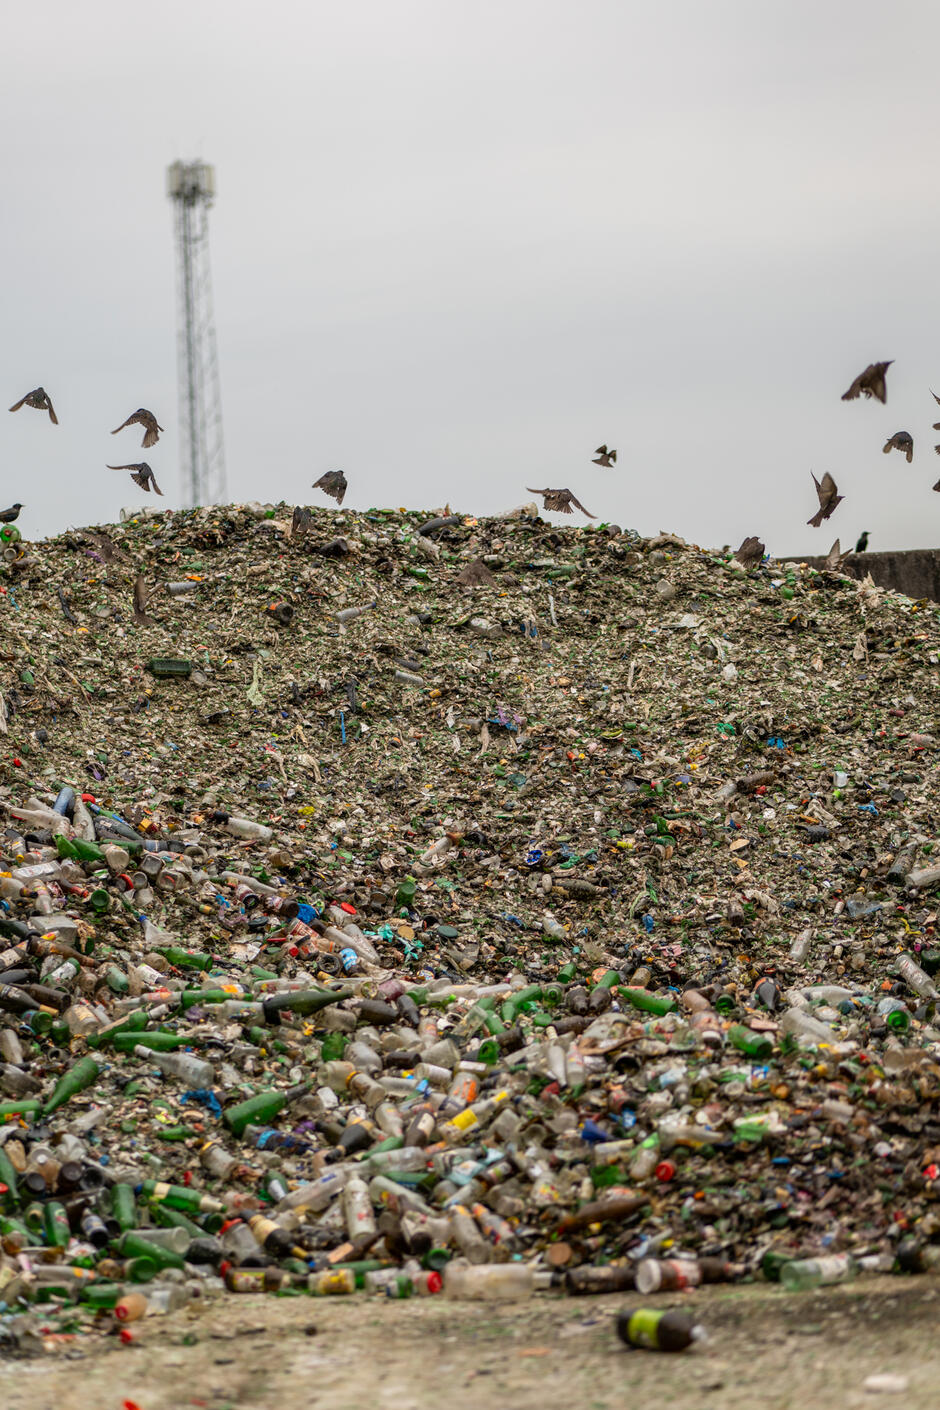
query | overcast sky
[459, 243]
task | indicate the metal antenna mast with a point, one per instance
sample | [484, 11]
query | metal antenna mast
[191, 188]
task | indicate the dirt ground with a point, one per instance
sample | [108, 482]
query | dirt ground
[809, 1351]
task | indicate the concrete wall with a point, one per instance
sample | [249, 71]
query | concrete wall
[915, 571]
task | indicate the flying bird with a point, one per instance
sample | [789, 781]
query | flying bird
[834, 557]
[301, 519]
[829, 498]
[605, 457]
[145, 418]
[937, 485]
[8, 516]
[332, 483]
[935, 397]
[39, 401]
[142, 475]
[751, 552]
[862, 545]
[870, 383]
[561, 501]
[902, 441]
[141, 616]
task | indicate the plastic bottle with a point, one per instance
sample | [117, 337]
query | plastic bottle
[800, 948]
[800, 1024]
[659, 1331]
[489, 1282]
[915, 978]
[802, 1273]
[246, 828]
[357, 1208]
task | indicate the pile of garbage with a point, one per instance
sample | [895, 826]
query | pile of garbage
[417, 903]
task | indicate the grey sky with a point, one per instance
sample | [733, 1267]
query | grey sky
[458, 245]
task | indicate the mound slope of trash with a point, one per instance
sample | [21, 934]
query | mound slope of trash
[387, 894]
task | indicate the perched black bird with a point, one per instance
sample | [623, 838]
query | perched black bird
[902, 441]
[605, 457]
[142, 475]
[301, 519]
[561, 501]
[39, 401]
[8, 516]
[332, 483]
[862, 545]
[751, 552]
[142, 417]
[870, 383]
[829, 498]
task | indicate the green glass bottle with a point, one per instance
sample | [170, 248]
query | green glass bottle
[650, 1003]
[141, 1270]
[756, 1045]
[86, 851]
[84, 1074]
[134, 1022]
[304, 1002]
[38, 1021]
[124, 1206]
[405, 895]
[28, 1106]
[102, 1295]
[9, 1224]
[184, 959]
[55, 1224]
[131, 1245]
[170, 1218]
[9, 1186]
[179, 1197]
[33, 1216]
[190, 997]
[116, 980]
[262, 1108]
[157, 1041]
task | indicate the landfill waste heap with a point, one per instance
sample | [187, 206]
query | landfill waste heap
[419, 903]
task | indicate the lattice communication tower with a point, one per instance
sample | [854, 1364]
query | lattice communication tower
[191, 188]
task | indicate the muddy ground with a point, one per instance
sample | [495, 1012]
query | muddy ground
[809, 1351]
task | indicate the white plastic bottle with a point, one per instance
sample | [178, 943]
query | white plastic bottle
[489, 1282]
[244, 827]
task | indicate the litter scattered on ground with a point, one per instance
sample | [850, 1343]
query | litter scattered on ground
[422, 904]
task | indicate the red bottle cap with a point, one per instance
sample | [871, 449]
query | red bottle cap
[665, 1171]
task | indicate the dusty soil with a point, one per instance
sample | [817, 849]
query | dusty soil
[810, 1351]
